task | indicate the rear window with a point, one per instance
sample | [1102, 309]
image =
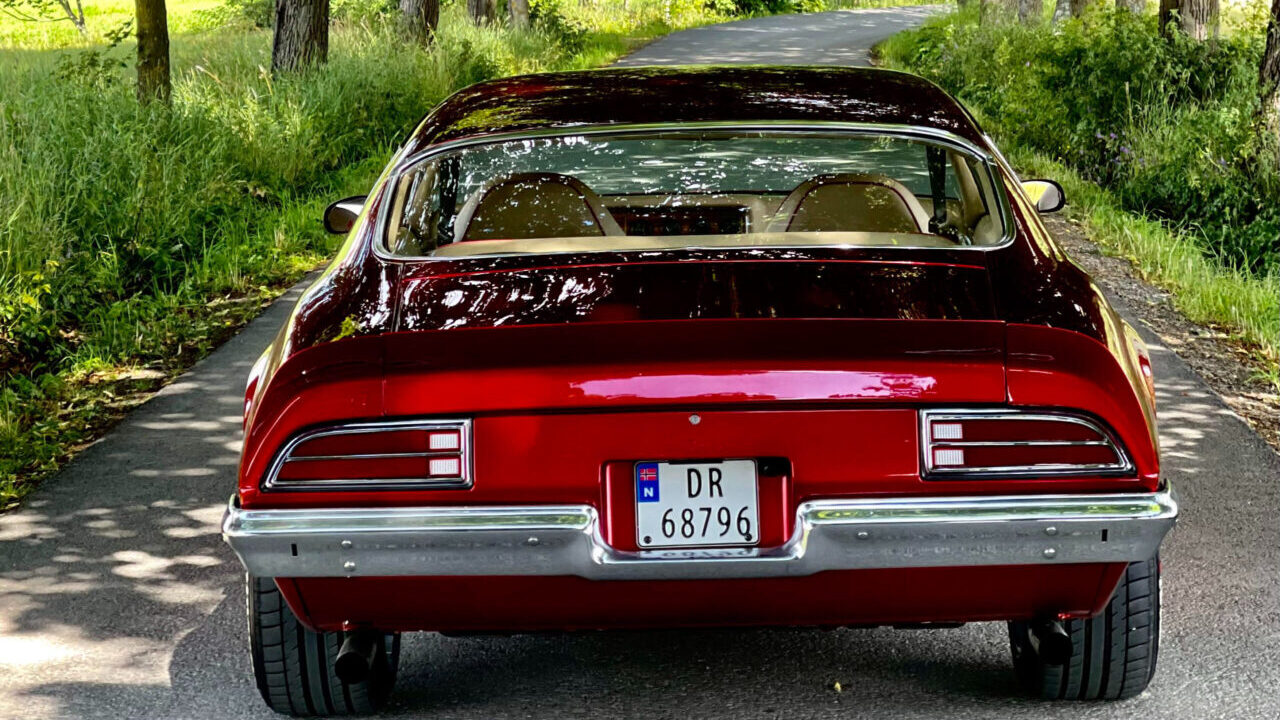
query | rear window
[677, 189]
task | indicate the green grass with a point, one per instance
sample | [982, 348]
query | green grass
[1206, 292]
[133, 241]
[1153, 141]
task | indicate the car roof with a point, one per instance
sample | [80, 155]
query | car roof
[656, 95]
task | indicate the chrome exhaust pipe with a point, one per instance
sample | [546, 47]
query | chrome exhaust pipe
[356, 656]
[1051, 642]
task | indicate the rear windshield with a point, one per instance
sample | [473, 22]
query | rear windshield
[693, 189]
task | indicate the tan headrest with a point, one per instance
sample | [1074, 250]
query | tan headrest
[533, 205]
[851, 203]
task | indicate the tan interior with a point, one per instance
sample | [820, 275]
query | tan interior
[600, 243]
[851, 202]
[541, 208]
[542, 205]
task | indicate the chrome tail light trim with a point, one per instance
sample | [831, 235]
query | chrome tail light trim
[929, 470]
[273, 482]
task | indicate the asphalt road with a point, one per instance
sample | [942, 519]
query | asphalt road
[119, 600]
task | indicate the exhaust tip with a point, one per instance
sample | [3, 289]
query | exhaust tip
[1053, 644]
[354, 662]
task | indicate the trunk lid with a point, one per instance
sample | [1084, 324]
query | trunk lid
[694, 333]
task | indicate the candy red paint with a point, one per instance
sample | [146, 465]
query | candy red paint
[822, 358]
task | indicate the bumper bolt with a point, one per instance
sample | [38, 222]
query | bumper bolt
[1051, 530]
[346, 544]
[1050, 553]
[532, 541]
[863, 534]
[349, 566]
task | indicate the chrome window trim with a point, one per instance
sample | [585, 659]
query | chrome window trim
[1059, 470]
[906, 132]
[272, 482]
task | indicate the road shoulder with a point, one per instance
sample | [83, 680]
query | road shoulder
[1228, 369]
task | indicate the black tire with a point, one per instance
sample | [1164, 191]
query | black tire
[293, 666]
[1113, 654]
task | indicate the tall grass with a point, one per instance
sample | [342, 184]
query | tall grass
[1155, 140]
[133, 239]
[1169, 126]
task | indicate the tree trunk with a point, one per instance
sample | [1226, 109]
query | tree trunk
[1269, 78]
[1137, 7]
[1029, 11]
[1197, 19]
[519, 10]
[301, 34]
[1078, 7]
[482, 12]
[1062, 10]
[421, 18]
[153, 51]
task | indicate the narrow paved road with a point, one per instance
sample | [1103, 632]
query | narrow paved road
[118, 599]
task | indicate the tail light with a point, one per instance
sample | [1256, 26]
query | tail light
[397, 455]
[1003, 443]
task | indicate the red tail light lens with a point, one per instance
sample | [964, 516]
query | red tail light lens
[399, 455]
[1017, 444]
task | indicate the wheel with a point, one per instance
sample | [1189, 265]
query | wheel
[1113, 654]
[293, 665]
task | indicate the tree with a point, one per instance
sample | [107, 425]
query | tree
[37, 10]
[1137, 7]
[1197, 19]
[519, 10]
[483, 12]
[301, 36]
[421, 18]
[1269, 76]
[153, 51]
[1078, 7]
[1029, 11]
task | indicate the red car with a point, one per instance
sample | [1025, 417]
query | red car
[641, 348]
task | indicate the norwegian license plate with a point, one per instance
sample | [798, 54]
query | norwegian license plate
[686, 504]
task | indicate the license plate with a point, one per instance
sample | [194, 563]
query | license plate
[686, 504]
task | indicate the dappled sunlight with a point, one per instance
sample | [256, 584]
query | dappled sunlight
[31, 651]
[108, 570]
[118, 598]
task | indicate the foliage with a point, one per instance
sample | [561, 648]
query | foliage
[1167, 125]
[1204, 291]
[97, 67]
[258, 13]
[133, 240]
[765, 7]
[1165, 169]
[45, 10]
[555, 18]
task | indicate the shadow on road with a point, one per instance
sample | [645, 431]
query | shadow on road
[118, 599]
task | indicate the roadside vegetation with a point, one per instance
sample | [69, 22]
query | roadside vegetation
[136, 236]
[1164, 142]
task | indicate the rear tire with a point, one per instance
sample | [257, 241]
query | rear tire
[293, 665]
[1113, 654]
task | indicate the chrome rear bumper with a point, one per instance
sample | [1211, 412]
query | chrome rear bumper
[829, 535]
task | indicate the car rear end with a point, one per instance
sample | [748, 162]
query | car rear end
[856, 479]
[708, 425]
